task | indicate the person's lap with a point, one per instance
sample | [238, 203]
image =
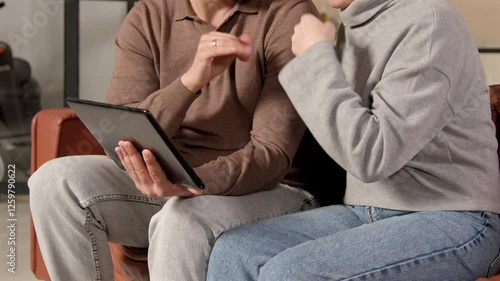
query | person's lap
[118, 212]
[339, 243]
[80, 203]
[184, 231]
[96, 182]
[255, 244]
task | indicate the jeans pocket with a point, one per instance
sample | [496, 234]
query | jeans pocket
[494, 267]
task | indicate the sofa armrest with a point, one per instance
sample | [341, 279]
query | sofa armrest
[58, 132]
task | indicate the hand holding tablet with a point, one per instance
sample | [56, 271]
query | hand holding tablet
[148, 175]
[137, 131]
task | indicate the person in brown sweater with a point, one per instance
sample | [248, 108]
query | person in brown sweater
[208, 71]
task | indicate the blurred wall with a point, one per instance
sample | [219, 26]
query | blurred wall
[35, 31]
[483, 18]
[99, 24]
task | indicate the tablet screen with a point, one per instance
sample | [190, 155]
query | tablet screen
[111, 123]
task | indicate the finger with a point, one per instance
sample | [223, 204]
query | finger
[304, 18]
[296, 29]
[246, 47]
[294, 45]
[164, 187]
[195, 191]
[126, 162]
[137, 163]
[230, 48]
[128, 167]
[215, 34]
[330, 27]
[241, 45]
[119, 153]
[245, 39]
[222, 39]
[244, 53]
[156, 173]
[207, 42]
[183, 191]
[309, 17]
[220, 51]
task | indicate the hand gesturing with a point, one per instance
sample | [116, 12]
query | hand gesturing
[216, 51]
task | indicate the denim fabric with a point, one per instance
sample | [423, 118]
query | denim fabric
[80, 203]
[360, 243]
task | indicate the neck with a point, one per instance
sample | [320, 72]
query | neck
[212, 11]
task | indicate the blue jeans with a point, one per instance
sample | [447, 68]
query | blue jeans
[360, 243]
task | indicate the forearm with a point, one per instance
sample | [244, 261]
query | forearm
[251, 169]
[369, 141]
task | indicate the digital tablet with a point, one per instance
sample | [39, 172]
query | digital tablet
[110, 124]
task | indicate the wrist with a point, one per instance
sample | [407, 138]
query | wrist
[190, 83]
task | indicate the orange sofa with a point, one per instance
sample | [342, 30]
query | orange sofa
[58, 132]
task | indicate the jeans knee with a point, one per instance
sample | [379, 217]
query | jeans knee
[39, 179]
[54, 183]
[227, 259]
[278, 269]
[226, 249]
[44, 192]
[178, 222]
[43, 183]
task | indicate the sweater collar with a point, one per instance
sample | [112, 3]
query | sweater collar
[360, 11]
[185, 11]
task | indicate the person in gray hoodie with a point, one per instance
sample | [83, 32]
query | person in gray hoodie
[402, 104]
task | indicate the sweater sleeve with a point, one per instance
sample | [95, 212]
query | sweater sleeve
[135, 80]
[276, 128]
[409, 108]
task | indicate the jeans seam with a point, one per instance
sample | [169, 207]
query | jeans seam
[95, 251]
[493, 266]
[110, 197]
[420, 257]
[371, 213]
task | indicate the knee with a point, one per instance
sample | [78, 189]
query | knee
[238, 254]
[43, 190]
[179, 217]
[42, 183]
[229, 249]
[225, 259]
[49, 185]
[280, 268]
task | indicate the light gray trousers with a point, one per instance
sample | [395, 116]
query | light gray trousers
[80, 203]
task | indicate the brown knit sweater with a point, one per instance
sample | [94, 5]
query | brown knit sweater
[240, 132]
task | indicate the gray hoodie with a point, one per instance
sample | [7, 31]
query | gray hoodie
[403, 105]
